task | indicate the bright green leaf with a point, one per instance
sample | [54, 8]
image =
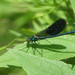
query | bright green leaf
[34, 65]
[73, 4]
[7, 60]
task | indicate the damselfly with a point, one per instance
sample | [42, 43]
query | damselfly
[50, 32]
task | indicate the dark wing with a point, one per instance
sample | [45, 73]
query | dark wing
[56, 27]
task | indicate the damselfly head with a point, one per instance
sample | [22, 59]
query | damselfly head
[32, 39]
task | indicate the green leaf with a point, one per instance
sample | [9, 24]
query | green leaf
[73, 4]
[54, 49]
[36, 26]
[6, 60]
[58, 48]
[4, 47]
[34, 65]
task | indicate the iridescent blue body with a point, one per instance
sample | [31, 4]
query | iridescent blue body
[51, 31]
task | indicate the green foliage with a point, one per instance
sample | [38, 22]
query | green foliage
[39, 66]
[73, 4]
[58, 48]
[22, 19]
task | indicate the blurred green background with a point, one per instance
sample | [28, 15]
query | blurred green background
[23, 18]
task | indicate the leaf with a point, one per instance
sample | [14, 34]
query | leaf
[34, 65]
[73, 4]
[36, 26]
[6, 60]
[58, 48]
[4, 47]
